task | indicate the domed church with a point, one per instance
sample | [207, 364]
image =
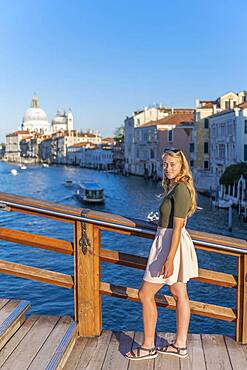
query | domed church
[62, 121]
[35, 118]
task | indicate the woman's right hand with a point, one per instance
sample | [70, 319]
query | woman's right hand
[167, 269]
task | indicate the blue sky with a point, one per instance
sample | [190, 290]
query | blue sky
[105, 59]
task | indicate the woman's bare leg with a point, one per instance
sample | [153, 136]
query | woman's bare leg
[149, 312]
[179, 293]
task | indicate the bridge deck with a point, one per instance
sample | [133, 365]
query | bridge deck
[206, 351]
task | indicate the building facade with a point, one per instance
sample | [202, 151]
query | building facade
[146, 142]
[201, 140]
[13, 148]
[228, 133]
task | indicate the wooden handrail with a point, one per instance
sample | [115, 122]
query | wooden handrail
[130, 260]
[38, 241]
[88, 255]
[199, 308]
[110, 218]
[34, 273]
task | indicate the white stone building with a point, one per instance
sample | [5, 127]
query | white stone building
[61, 141]
[76, 152]
[100, 158]
[90, 155]
[138, 119]
[200, 146]
[228, 138]
[13, 149]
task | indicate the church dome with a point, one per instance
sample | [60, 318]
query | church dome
[35, 118]
[60, 119]
[34, 114]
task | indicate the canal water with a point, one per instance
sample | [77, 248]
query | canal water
[127, 196]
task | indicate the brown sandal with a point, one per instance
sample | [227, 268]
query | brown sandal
[180, 351]
[152, 353]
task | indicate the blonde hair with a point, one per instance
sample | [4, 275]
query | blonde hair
[185, 176]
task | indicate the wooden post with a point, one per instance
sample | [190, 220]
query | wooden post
[87, 299]
[241, 325]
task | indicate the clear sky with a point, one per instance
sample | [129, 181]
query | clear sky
[107, 58]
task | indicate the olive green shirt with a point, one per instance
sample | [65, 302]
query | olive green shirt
[176, 203]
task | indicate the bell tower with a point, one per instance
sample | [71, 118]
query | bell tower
[35, 101]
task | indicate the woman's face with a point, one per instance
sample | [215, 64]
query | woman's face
[171, 166]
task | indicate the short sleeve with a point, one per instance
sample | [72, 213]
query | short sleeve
[182, 200]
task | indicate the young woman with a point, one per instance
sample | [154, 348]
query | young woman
[172, 258]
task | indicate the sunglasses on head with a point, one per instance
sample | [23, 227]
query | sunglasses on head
[174, 150]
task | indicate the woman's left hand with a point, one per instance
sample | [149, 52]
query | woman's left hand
[167, 269]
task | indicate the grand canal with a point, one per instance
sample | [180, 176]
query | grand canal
[127, 196]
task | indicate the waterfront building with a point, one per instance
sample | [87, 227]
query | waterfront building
[75, 153]
[13, 150]
[137, 119]
[30, 147]
[118, 155]
[99, 158]
[65, 139]
[145, 142]
[35, 119]
[228, 138]
[91, 136]
[45, 150]
[89, 155]
[200, 146]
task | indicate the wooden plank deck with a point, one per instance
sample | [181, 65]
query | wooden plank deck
[206, 352]
[42, 342]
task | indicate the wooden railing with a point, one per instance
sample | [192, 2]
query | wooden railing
[87, 251]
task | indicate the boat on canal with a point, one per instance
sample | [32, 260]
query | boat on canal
[22, 166]
[90, 192]
[69, 183]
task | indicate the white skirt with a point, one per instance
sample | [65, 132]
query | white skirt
[185, 261]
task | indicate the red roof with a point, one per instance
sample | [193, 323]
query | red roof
[19, 132]
[174, 119]
[88, 134]
[108, 140]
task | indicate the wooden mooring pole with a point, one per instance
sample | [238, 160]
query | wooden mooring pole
[87, 299]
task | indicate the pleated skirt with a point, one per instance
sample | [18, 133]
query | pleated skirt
[185, 261]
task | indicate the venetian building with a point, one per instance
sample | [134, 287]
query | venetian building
[62, 121]
[35, 119]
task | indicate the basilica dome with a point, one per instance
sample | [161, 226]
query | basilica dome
[63, 121]
[35, 114]
[60, 119]
[35, 118]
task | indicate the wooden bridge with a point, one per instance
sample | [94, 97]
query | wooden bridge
[54, 342]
